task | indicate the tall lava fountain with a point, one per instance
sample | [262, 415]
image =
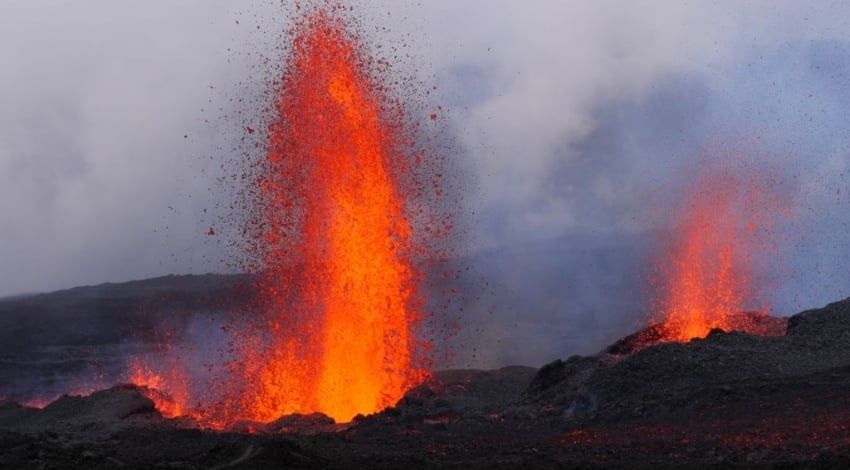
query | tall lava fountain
[336, 255]
[337, 280]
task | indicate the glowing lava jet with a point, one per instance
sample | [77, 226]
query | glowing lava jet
[336, 281]
[334, 326]
[707, 274]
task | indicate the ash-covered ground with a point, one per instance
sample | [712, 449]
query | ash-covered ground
[731, 399]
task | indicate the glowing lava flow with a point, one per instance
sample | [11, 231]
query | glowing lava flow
[707, 276]
[332, 202]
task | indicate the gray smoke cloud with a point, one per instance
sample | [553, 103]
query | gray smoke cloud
[577, 121]
[115, 119]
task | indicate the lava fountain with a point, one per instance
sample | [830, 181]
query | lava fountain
[707, 275]
[337, 282]
[333, 244]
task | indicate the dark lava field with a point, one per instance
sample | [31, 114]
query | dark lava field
[729, 400]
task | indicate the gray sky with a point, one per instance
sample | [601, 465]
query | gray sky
[572, 116]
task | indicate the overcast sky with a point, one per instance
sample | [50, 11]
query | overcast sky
[573, 117]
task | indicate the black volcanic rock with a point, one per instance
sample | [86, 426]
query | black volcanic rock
[750, 322]
[452, 396]
[634, 342]
[103, 411]
[47, 341]
[828, 324]
[665, 378]
[109, 313]
[729, 400]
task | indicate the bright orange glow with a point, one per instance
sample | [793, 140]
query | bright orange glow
[38, 402]
[169, 405]
[331, 160]
[334, 325]
[707, 275]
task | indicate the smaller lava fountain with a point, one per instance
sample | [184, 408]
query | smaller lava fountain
[707, 276]
[175, 402]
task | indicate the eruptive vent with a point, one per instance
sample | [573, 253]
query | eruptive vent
[707, 276]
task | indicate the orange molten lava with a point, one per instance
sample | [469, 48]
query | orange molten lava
[707, 275]
[333, 206]
[169, 405]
